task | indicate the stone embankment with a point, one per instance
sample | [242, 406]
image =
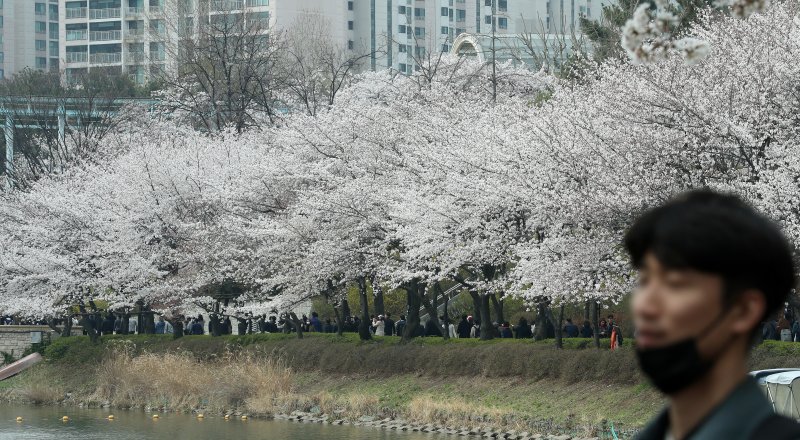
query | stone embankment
[402, 425]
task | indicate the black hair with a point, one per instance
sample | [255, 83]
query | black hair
[719, 234]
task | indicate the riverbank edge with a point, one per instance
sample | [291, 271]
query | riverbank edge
[528, 366]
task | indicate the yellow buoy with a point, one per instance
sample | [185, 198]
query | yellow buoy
[19, 419]
[65, 419]
[227, 417]
[200, 416]
[244, 417]
[110, 417]
[155, 416]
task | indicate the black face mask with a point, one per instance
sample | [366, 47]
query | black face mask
[676, 366]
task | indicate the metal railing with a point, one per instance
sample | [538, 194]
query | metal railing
[156, 9]
[105, 58]
[77, 57]
[135, 10]
[134, 33]
[105, 35]
[76, 35]
[227, 5]
[100, 14]
[75, 12]
[134, 57]
[253, 3]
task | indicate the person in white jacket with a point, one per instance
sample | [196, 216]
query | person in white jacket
[379, 325]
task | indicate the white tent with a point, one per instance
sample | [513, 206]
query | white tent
[784, 391]
[761, 377]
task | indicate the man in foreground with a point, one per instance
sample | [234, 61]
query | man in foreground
[711, 269]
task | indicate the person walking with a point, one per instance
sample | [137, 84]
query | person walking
[380, 326]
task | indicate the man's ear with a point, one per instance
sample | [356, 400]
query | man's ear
[749, 309]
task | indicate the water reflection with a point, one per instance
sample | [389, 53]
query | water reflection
[88, 424]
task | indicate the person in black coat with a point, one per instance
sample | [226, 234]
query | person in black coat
[523, 329]
[463, 328]
[432, 329]
[388, 325]
[586, 330]
[400, 325]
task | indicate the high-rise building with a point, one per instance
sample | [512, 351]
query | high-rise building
[133, 36]
[28, 35]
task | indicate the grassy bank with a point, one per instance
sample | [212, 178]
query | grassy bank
[503, 384]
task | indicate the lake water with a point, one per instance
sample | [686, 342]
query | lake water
[43, 422]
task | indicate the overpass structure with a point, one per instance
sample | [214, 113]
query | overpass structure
[56, 113]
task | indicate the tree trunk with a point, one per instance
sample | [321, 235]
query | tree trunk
[346, 313]
[214, 326]
[476, 304]
[446, 300]
[587, 310]
[498, 308]
[487, 329]
[412, 320]
[339, 321]
[297, 325]
[541, 321]
[377, 293]
[557, 325]
[431, 306]
[177, 328]
[363, 327]
[596, 323]
[67, 330]
[126, 322]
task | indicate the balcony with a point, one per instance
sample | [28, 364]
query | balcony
[134, 57]
[158, 56]
[256, 3]
[137, 10]
[156, 9]
[75, 12]
[104, 14]
[106, 58]
[134, 34]
[226, 5]
[105, 35]
[77, 57]
[76, 35]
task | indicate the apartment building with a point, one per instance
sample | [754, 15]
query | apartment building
[28, 35]
[132, 36]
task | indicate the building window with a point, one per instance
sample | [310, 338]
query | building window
[401, 48]
[461, 15]
[401, 10]
[445, 12]
[41, 27]
[54, 48]
[2, 73]
[502, 5]
[420, 51]
[53, 12]
[419, 32]
[445, 48]
[419, 12]
[350, 25]
[488, 19]
[402, 67]
[41, 62]
[2, 56]
[445, 30]
[401, 29]
[502, 22]
[40, 8]
[1, 21]
[350, 44]
[488, 3]
[41, 45]
[350, 6]
[1, 4]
